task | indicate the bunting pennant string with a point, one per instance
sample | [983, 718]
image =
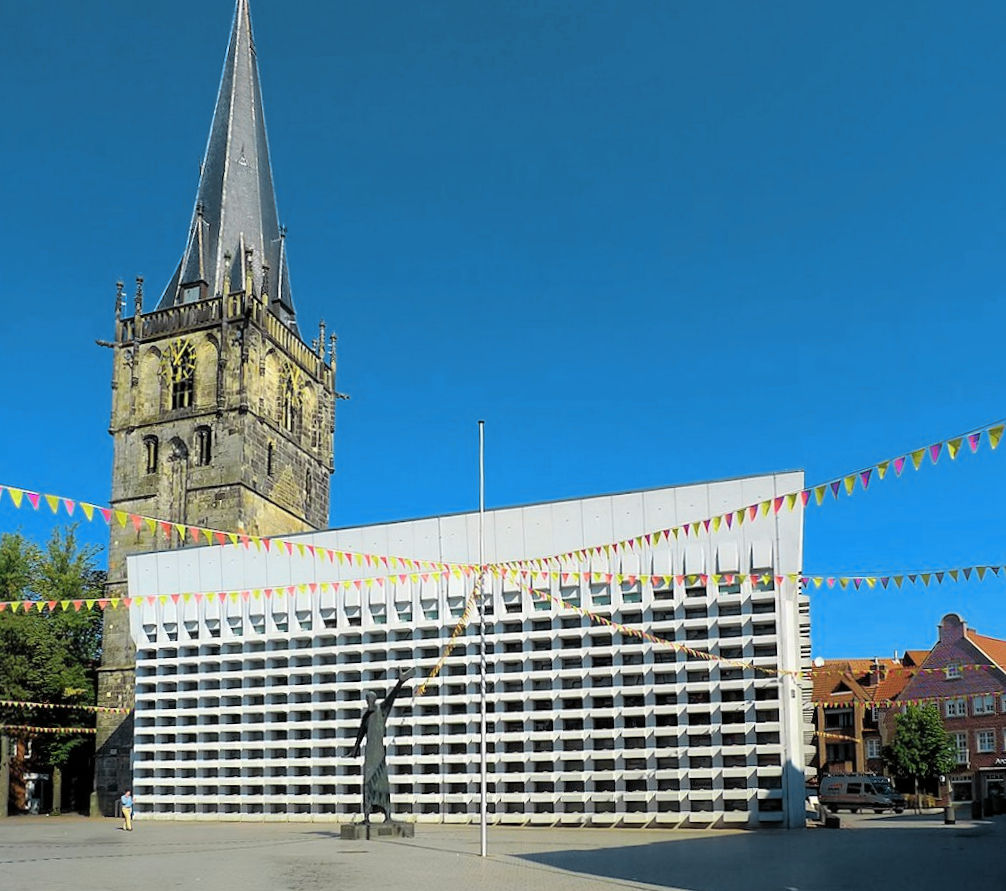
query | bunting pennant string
[32, 730]
[540, 577]
[886, 703]
[28, 606]
[599, 619]
[834, 669]
[367, 582]
[101, 709]
[839, 736]
[459, 628]
[943, 670]
[183, 533]
[656, 581]
[900, 578]
[847, 482]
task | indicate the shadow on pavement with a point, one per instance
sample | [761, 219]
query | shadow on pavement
[866, 857]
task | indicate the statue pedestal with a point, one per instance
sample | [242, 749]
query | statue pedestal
[357, 831]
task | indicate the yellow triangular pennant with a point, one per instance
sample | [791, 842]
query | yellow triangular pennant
[995, 434]
[917, 457]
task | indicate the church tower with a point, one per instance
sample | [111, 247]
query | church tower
[222, 416]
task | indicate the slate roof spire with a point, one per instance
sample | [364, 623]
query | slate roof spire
[235, 236]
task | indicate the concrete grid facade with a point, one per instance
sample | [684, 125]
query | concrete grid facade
[246, 709]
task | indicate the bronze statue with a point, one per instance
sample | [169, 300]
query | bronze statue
[376, 789]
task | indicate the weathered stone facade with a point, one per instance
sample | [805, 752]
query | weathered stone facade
[267, 402]
[222, 417]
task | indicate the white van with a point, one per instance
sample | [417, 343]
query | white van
[860, 790]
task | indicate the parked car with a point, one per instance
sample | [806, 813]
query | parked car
[855, 791]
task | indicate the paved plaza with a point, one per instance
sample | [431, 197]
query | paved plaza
[872, 851]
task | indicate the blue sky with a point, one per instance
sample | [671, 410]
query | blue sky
[649, 243]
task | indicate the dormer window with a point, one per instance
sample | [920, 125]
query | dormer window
[191, 293]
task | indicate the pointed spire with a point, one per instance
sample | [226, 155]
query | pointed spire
[235, 205]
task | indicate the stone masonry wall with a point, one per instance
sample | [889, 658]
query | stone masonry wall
[261, 478]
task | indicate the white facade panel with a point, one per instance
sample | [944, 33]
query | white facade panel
[246, 707]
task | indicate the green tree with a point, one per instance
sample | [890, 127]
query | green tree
[49, 656]
[921, 748]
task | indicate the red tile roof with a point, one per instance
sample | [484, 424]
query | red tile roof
[994, 648]
[854, 675]
[896, 681]
[917, 657]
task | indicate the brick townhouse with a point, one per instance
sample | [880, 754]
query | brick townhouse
[965, 674]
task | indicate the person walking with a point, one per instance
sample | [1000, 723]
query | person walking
[127, 810]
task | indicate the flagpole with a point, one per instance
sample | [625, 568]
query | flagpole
[483, 807]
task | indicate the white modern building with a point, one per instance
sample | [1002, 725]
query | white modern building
[247, 706]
